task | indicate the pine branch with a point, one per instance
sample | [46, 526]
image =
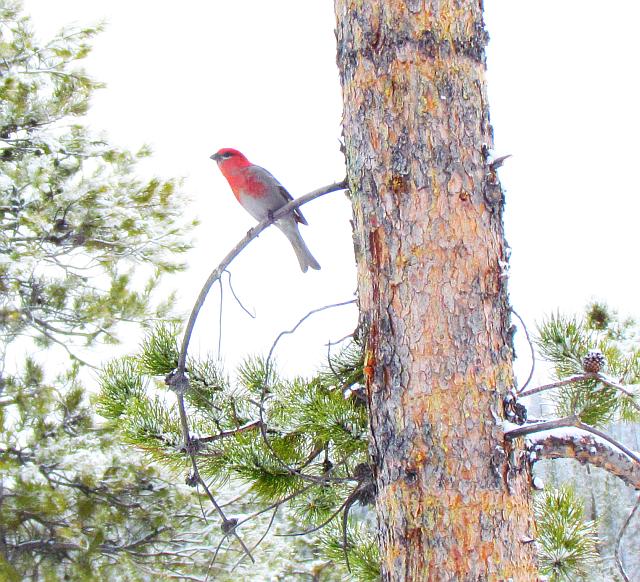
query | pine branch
[580, 378]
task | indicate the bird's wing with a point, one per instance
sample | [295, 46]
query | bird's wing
[296, 213]
[268, 178]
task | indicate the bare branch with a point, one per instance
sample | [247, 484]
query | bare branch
[264, 535]
[263, 394]
[558, 384]
[586, 449]
[196, 473]
[235, 296]
[227, 433]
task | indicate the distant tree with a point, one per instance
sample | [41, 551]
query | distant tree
[75, 504]
[83, 243]
[72, 211]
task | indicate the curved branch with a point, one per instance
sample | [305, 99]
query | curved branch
[264, 387]
[586, 449]
[235, 251]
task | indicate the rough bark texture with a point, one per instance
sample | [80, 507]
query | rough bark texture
[587, 450]
[452, 503]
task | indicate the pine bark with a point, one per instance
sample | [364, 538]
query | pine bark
[453, 501]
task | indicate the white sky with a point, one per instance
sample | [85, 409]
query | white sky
[261, 76]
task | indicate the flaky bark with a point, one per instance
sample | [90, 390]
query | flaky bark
[452, 504]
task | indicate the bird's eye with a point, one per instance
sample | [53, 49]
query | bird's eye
[227, 155]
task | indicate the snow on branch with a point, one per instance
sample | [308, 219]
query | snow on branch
[588, 449]
[569, 422]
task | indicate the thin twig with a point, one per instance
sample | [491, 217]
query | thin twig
[622, 389]
[196, 473]
[264, 535]
[276, 504]
[533, 352]
[220, 320]
[251, 315]
[213, 559]
[335, 343]
[227, 433]
[317, 527]
[300, 322]
[621, 535]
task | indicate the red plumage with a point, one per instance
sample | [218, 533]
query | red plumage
[261, 195]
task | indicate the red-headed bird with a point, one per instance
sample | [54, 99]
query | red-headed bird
[261, 195]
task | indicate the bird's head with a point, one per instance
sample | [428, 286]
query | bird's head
[229, 158]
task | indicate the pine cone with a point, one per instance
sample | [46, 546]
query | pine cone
[593, 362]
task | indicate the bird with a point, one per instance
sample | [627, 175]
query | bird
[260, 194]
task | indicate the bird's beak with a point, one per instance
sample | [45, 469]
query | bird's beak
[216, 157]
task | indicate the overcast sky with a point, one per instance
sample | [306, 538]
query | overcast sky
[261, 76]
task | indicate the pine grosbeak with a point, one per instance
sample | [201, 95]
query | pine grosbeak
[261, 195]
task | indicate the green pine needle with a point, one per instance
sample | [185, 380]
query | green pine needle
[565, 341]
[159, 351]
[362, 549]
[120, 380]
[566, 542]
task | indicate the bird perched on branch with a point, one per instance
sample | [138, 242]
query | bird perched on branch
[261, 195]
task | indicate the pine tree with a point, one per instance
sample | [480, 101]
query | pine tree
[72, 210]
[76, 222]
[311, 464]
[77, 505]
[429, 379]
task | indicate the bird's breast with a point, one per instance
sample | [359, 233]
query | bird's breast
[255, 205]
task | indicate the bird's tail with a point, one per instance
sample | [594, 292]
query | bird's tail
[291, 231]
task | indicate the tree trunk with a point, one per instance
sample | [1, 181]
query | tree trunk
[452, 503]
